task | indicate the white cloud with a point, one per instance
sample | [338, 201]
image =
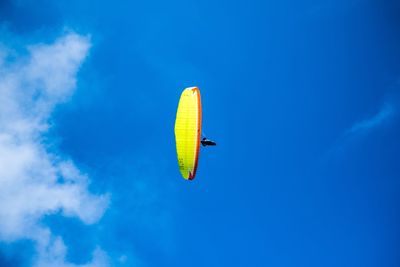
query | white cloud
[33, 181]
[53, 255]
[376, 120]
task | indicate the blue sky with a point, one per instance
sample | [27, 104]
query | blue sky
[302, 98]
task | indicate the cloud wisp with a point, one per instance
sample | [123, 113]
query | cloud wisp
[35, 182]
[376, 120]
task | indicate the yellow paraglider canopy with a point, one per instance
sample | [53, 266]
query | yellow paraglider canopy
[188, 131]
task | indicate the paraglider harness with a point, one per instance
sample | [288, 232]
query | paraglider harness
[207, 142]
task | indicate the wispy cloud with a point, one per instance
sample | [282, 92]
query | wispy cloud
[376, 120]
[35, 182]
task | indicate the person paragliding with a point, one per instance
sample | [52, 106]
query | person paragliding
[207, 142]
[188, 132]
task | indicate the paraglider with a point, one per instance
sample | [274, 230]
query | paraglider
[188, 132]
[207, 142]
